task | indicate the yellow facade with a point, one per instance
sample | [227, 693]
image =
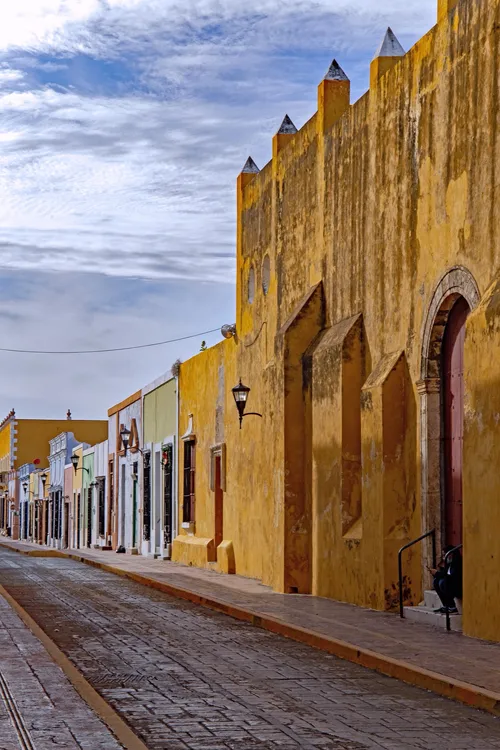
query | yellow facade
[160, 412]
[33, 436]
[6, 445]
[24, 440]
[373, 220]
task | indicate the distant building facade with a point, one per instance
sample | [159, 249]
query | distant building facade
[159, 477]
[125, 473]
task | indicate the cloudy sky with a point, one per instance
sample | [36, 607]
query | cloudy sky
[123, 125]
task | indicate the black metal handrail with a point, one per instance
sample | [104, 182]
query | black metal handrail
[450, 552]
[431, 533]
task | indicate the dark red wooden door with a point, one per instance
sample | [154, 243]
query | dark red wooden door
[453, 403]
[219, 505]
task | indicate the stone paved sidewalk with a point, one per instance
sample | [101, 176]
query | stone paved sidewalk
[451, 655]
[36, 694]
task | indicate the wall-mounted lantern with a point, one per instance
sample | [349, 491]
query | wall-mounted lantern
[43, 477]
[25, 487]
[125, 436]
[75, 460]
[240, 393]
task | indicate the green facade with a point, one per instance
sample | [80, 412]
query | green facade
[159, 416]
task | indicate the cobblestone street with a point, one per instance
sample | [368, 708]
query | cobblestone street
[185, 677]
[38, 705]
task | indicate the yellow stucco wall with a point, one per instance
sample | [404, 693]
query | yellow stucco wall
[33, 436]
[481, 461]
[361, 213]
[5, 447]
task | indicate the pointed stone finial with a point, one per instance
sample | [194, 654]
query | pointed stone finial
[388, 54]
[389, 46]
[334, 96]
[250, 167]
[287, 127]
[335, 73]
[282, 138]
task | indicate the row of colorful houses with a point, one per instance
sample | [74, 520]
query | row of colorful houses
[100, 484]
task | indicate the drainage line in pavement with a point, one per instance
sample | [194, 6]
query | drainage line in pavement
[15, 716]
[102, 709]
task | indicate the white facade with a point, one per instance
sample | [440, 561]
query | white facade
[25, 502]
[61, 449]
[101, 536]
[161, 532]
[128, 476]
[14, 493]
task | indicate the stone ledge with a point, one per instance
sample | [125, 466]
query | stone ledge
[193, 550]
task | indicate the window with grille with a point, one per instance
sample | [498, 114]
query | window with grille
[189, 482]
[111, 484]
[101, 489]
[146, 497]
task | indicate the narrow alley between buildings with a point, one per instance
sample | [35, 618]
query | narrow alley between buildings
[184, 677]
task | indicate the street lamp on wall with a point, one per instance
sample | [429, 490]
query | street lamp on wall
[240, 394]
[25, 488]
[125, 436]
[75, 460]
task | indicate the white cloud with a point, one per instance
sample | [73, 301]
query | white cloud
[123, 125]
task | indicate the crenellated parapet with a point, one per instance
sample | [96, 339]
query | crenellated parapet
[334, 91]
[9, 418]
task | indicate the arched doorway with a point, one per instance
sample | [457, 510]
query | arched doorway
[453, 420]
[441, 387]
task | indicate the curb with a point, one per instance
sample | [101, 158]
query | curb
[118, 727]
[464, 692]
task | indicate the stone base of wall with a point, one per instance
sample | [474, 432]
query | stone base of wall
[200, 552]
[192, 550]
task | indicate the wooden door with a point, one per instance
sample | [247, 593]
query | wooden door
[78, 511]
[66, 525]
[453, 404]
[219, 505]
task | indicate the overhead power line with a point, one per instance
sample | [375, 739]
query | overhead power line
[117, 349]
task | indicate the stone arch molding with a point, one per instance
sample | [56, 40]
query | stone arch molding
[456, 282]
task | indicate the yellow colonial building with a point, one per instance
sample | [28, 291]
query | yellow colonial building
[368, 330]
[26, 441]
